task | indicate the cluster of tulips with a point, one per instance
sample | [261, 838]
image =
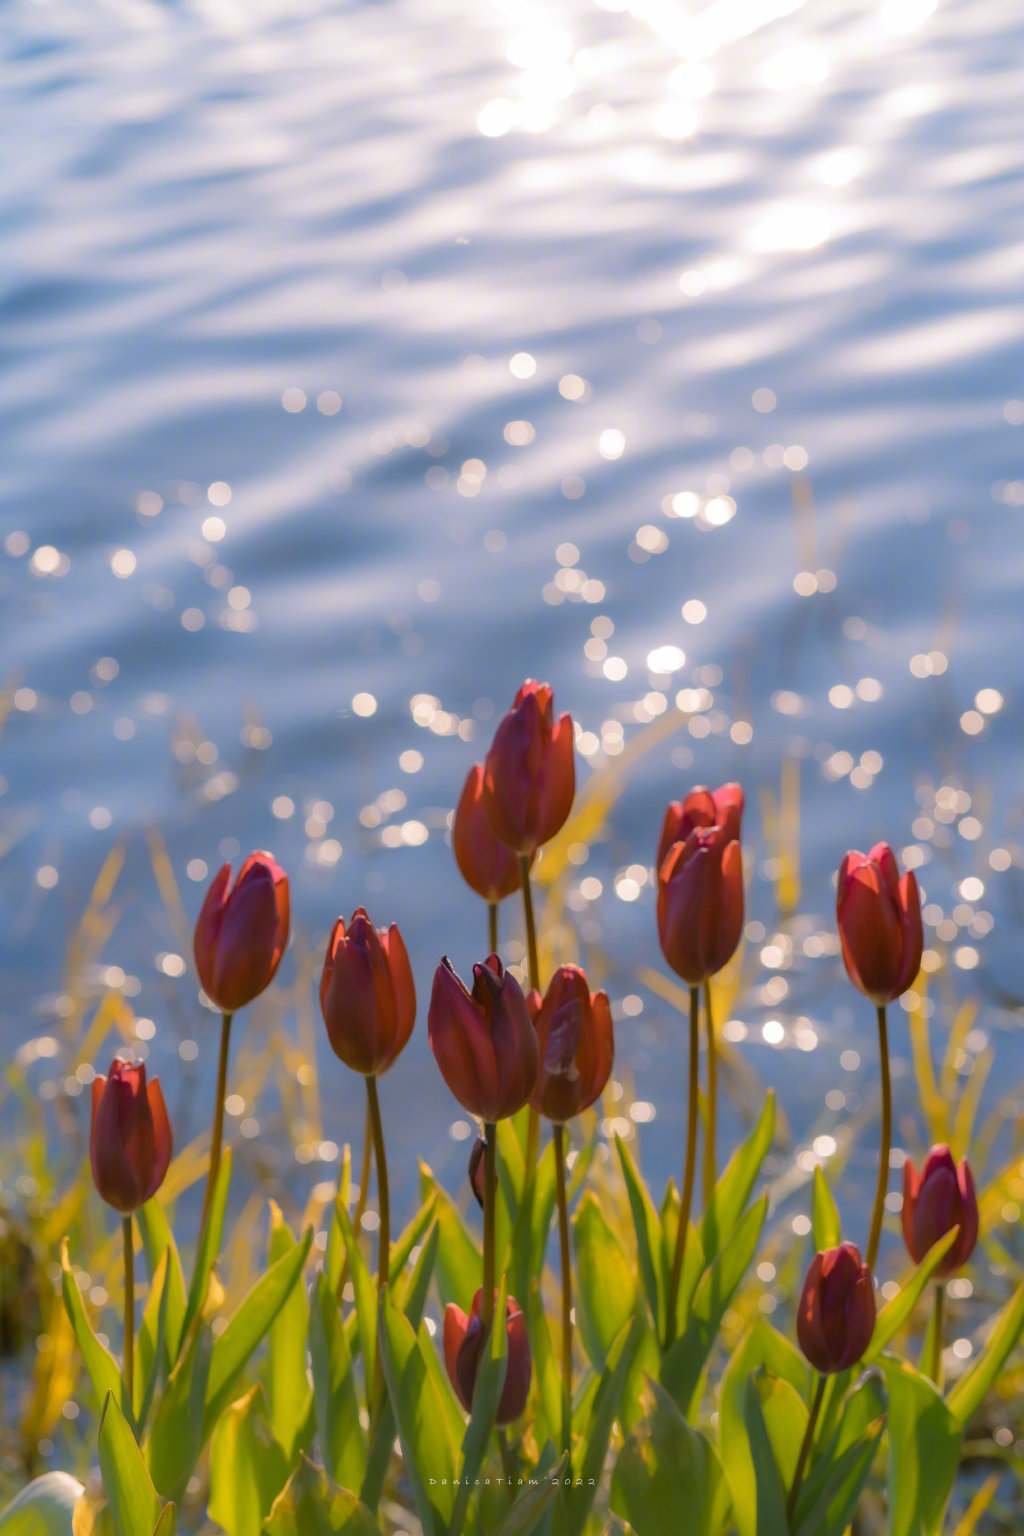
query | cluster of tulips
[549, 1050]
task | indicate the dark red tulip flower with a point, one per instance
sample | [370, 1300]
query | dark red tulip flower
[935, 1201]
[879, 918]
[367, 995]
[241, 933]
[574, 1033]
[836, 1316]
[722, 807]
[487, 865]
[700, 903]
[530, 773]
[484, 1040]
[463, 1345]
[130, 1141]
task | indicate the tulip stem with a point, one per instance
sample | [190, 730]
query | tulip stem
[217, 1139]
[492, 926]
[563, 1243]
[937, 1326]
[883, 1156]
[712, 1111]
[533, 1121]
[383, 1199]
[688, 1170]
[490, 1202]
[805, 1448]
[129, 1315]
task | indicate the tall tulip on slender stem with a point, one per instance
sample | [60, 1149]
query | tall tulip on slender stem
[878, 914]
[130, 1146]
[240, 937]
[935, 1201]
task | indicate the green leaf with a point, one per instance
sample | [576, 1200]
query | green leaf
[835, 1498]
[861, 1414]
[156, 1238]
[770, 1515]
[289, 1397]
[209, 1243]
[605, 1410]
[785, 1417]
[43, 1507]
[459, 1264]
[407, 1240]
[100, 1364]
[174, 1440]
[665, 1466]
[967, 1396]
[546, 1371]
[684, 1364]
[524, 1516]
[150, 1348]
[167, 1525]
[762, 1346]
[486, 1395]
[311, 1505]
[134, 1506]
[247, 1326]
[827, 1229]
[694, 1263]
[896, 1312]
[342, 1441]
[736, 1182]
[248, 1466]
[646, 1362]
[420, 1418]
[411, 1289]
[924, 1449]
[364, 1289]
[605, 1283]
[648, 1235]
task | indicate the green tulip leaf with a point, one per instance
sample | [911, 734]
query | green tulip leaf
[646, 1362]
[420, 1418]
[175, 1436]
[664, 1468]
[248, 1465]
[334, 1258]
[150, 1345]
[602, 1419]
[735, 1184]
[157, 1238]
[100, 1364]
[605, 1282]
[826, 1224]
[342, 1441]
[209, 1244]
[134, 1506]
[167, 1525]
[860, 1415]
[365, 1290]
[524, 1518]
[896, 1311]
[459, 1264]
[546, 1373]
[770, 1512]
[831, 1506]
[289, 1397]
[761, 1346]
[454, 1416]
[924, 1450]
[44, 1507]
[694, 1261]
[407, 1240]
[785, 1416]
[411, 1288]
[967, 1396]
[648, 1235]
[311, 1505]
[490, 1380]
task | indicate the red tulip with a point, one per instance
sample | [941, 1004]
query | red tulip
[935, 1201]
[241, 934]
[700, 903]
[130, 1141]
[488, 866]
[879, 918]
[722, 807]
[836, 1315]
[484, 1041]
[367, 995]
[574, 1033]
[530, 773]
[463, 1345]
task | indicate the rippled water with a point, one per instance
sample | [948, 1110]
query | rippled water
[405, 350]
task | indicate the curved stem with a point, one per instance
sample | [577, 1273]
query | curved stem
[712, 1113]
[492, 926]
[937, 1327]
[533, 1122]
[805, 1448]
[383, 1200]
[563, 1242]
[129, 1312]
[689, 1169]
[490, 1202]
[883, 1156]
[217, 1137]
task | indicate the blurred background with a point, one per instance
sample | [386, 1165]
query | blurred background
[361, 360]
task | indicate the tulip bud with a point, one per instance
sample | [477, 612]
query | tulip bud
[530, 774]
[722, 807]
[879, 918]
[487, 865]
[463, 1346]
[476, 1170]
[700, 903]
[935, 1201]
[836, 1316]
[574, 1033]
[367, 995]
[241, 934]
[130, 1142]
[484, 1041]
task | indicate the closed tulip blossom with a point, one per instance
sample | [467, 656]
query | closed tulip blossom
[242, 932]
[367, 994]
[700, 902]
[464, 1341]
[574, 1034]
[130, 1141]
[879, 919]
[935, 1201]
[722, 807]
[487, 865]
[530, 776]
[836, 1314]
[484, 1040]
